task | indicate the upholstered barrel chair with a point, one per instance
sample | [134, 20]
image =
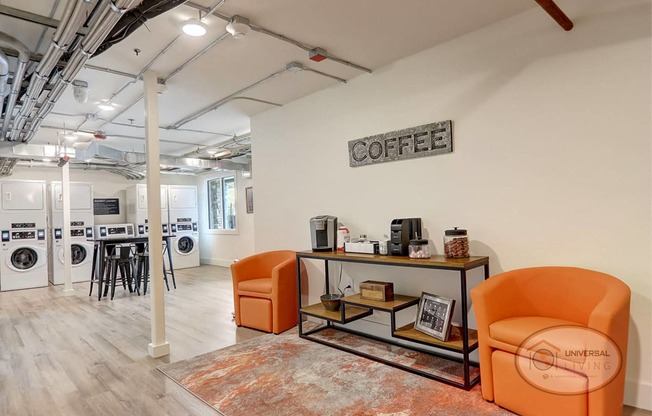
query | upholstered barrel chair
[265, 291]
[553, 341]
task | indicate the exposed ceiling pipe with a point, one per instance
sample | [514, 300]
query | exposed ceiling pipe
[165, 80]
[283, 38]
[35, 18]
[221, 102]
[123, 136]
[74, 15]
[107, 15]
[23, 59]
[4, 78]
[219, 145]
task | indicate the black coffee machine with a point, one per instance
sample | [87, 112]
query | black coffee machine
[402, 230]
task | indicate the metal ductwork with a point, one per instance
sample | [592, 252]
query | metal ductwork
[135, 18]
[131, 165]
[23, 58]
[100, 20]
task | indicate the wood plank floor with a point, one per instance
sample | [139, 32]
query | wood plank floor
[79, 356]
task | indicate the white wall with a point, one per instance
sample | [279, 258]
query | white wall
[223, 247]
[551, 161]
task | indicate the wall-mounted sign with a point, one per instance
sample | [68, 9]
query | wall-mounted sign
[426, 140]
[106, 206]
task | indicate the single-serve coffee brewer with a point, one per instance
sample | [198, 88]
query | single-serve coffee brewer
[402, 230]
[323, 233]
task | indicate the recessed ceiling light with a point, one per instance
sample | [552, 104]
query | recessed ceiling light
[194, 27]
[106, 107]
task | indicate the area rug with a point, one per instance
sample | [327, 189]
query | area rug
[280, 375]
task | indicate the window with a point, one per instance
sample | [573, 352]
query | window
[221, 203]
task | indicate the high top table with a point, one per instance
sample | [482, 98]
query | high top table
[100, 247]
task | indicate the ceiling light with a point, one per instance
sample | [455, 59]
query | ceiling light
[106, 106]
[194, 27]
[238, 27]
[294, 67]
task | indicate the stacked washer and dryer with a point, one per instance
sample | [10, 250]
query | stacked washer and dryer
[137, 209]
[184, 216]
[23, 223]
[82, 221]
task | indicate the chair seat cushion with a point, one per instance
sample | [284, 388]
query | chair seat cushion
[515, 331]
[256, 286]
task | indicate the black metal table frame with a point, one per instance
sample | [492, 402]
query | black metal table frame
[466, 385]
[98, 257]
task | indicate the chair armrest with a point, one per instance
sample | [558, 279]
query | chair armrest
[611, 315]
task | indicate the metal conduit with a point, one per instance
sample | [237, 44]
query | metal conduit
[173, 73]
[221, 102]
[108, 15]
[23, 59]
[259, 29]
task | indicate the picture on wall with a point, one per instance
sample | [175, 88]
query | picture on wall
[249, 198]
[434, 315]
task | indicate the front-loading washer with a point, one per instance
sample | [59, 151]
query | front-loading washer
[81, 255]
[23, 259]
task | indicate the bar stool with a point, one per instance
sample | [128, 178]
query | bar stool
[142, 272]
[120, 259]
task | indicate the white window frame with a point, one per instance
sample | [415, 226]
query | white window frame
[210, 230]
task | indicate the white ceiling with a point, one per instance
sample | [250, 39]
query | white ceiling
[369, 33]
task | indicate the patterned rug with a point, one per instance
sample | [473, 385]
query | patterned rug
[280, 375]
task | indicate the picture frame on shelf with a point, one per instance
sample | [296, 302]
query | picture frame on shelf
[434, 315]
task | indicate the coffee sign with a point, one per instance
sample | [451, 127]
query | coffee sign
[426, 140]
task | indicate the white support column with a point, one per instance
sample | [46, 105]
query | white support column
[65, 238]
[159, 346]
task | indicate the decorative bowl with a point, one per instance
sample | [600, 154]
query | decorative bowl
[331, 301]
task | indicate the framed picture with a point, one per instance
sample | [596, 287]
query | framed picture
[434, 315]
[249, 198]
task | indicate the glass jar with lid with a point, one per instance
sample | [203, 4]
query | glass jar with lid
[456, 243]
[418, 249]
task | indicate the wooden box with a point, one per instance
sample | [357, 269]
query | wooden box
[380, 291]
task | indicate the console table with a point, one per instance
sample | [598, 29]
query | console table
[354, 308]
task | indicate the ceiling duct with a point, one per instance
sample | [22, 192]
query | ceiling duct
[103, 18]
[23, 59]
[135, 18]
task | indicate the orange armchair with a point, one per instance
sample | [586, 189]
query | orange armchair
[579, 319]
[265, 291]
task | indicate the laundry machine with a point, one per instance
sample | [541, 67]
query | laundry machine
[185, 243]
[81, 253]
[81, 231]
[22, 202]
[184, 225]
[23, 257]
[136, 201]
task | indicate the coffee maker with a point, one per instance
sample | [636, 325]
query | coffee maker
[402, 230]
[323, 233]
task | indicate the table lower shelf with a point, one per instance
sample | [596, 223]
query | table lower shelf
[433, 366]
[454, 342]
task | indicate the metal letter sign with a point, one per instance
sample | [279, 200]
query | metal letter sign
[426, 140]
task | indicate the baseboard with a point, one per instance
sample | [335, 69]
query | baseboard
[217, 262]
[637, 394]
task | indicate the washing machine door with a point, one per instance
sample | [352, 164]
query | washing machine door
[185, 245]
[78, 254]
[25, 259]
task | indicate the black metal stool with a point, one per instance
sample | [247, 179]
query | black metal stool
[120, 259]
